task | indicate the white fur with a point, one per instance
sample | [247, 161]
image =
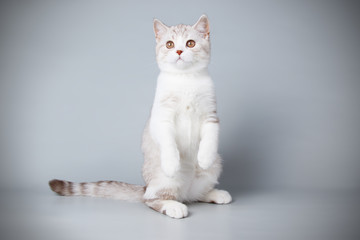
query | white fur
[174, 209]
[218, 196]
[183, 126]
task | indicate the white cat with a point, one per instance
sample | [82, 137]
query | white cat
[180, 140]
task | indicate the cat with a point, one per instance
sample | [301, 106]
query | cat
[180, 140]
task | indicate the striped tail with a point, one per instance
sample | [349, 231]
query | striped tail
[106, 189]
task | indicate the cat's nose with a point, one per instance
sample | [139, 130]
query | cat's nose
[179, 52]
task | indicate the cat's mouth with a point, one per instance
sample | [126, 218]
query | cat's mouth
[179, 60]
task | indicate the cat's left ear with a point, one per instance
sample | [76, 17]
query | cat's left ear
[202, 26]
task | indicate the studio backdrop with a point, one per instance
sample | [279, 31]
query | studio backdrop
[77, 81]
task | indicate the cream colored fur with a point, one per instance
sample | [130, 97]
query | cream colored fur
[180, 140]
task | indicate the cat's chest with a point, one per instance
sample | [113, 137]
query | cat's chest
[187, 102]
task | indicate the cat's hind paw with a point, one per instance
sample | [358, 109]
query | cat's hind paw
[218, 196]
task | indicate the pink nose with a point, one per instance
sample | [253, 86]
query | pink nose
[179, 52]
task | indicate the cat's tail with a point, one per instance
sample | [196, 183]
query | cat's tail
[106, 189]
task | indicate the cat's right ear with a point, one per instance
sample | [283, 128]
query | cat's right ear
[159, 29]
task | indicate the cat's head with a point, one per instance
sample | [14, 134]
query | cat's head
[182, 48]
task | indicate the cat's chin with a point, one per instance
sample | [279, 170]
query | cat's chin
[181, 66]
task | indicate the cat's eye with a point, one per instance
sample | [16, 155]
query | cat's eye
[190, 43]
[170, 44]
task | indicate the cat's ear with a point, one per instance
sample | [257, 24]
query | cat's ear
[159, 28]
[202, 26]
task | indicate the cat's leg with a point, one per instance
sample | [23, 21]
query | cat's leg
[217, 196]
[164, 201]
[209, 141]
[163, 131]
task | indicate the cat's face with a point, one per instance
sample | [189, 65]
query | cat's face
[182, 48]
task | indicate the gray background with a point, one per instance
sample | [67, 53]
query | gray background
[77, 80]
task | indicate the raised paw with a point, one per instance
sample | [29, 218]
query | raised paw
[206, 158]
[218, 196]
[174, 209]
[170, 162]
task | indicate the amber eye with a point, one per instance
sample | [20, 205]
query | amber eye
[190, 43]
[170, 44]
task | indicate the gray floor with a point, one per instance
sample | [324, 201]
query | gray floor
[44, 215]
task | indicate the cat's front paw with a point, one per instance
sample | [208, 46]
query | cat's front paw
[175, 209]
[206, 158]
[170, 162]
